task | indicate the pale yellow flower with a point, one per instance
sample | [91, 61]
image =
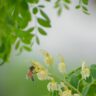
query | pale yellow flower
[62, 85]
[48, 59]
[37, 66]
[76, 95]
[85, 71]
[66, 93]
[42, 75]
[61, 65]
[36, 63]
[52, 86]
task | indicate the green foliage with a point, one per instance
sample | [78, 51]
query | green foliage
[37, 40]
[93, 70]
[35, 10]
[44, 15]
[60, 4]
[27, 48]
[42, 32]
[83, 86]
[86, 87]
[83, 6]
[43, 22]
[16, 16]
[33, 1]
[14, 20]
[85, 2]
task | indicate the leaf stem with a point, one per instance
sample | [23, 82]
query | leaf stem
[72, 87]
[79, 83]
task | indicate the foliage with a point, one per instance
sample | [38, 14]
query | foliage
[83, 6]
[16, 15]
[79, 82]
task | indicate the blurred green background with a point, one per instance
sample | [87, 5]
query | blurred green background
[13, 82]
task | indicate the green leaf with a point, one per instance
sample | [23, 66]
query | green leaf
[35, 10]
[74, 77]
[85, 2]
[27, 38]
[41, 31]
[85, 90]
[56, 4]
[33, 1]
[93, 70]
[43, 22]
[37, 40]
[89, 79]
[78, 7]
[59, 11]
[90, 90]
[27, 48]
[67, 1]
[66, 6]
[30, 30]
[44, 15]
[84, 8]
[20, 50]
[21, 22]
[2, 48]
[86, 12]
[17, 45]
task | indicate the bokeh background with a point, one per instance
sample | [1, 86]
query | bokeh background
[73, 35]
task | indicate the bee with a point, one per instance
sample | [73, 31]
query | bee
[30, 73]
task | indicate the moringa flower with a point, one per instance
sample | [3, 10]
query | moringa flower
[52, 86]
[61, 65]
[62, 85]
[48, 59]
[37, 66]
[66, 93]
[42, 75]
[85, 71]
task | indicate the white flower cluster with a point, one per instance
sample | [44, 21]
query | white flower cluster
[85, 71]
[61, 88]
[54, 86]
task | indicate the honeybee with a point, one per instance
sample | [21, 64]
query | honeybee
[30, 73]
